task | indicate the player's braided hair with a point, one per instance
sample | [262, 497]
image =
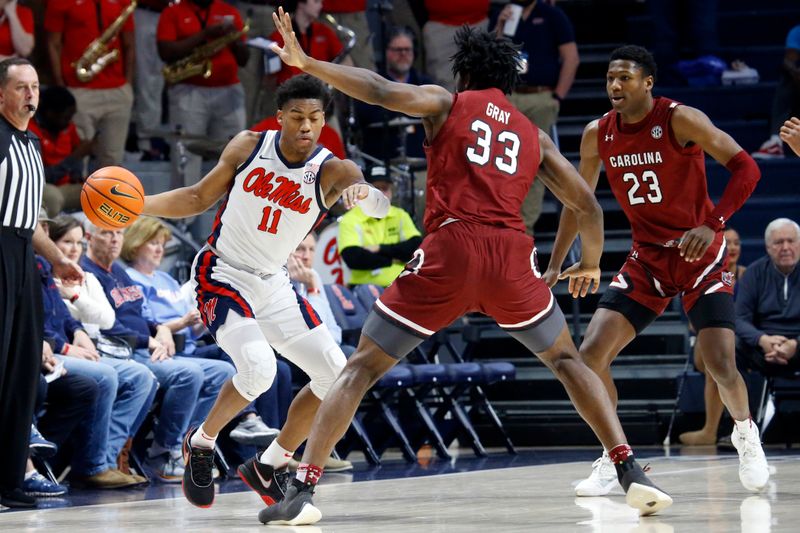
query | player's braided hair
[486, 60]
[637, 54]
[303, 87]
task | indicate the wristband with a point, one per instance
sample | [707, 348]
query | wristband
[74, 297]
[313, 291]
[65, 349]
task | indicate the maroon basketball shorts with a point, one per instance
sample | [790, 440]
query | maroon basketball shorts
[462, 268]
[652, 275]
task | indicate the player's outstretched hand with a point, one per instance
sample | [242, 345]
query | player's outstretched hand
[790, 133]
[581, 279]
[354, 194]
[291, 53]
[695, 242]
[551, 277]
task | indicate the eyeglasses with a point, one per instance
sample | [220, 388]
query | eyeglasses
[400, 50]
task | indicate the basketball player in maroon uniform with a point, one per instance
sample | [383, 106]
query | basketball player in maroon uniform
[652, 149]
[483, 155]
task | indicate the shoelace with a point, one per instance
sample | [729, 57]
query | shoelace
[202, 464]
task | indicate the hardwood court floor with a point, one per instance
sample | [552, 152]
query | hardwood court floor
[707, 493]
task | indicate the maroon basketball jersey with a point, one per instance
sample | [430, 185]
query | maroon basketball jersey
[660, 185]
[481, 163]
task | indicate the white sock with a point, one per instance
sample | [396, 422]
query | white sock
[275, 455]
[201, 439]
[745, 426]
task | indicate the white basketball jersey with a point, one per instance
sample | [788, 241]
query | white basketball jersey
[271, 206]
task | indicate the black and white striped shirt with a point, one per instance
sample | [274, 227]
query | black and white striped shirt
[21, 177]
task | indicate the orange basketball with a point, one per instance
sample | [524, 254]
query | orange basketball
[112, 198]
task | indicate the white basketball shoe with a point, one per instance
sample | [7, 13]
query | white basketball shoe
[753, 467]
[602, 479]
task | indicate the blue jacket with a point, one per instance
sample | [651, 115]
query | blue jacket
[133, 316]
[58, 323]
[767, 302]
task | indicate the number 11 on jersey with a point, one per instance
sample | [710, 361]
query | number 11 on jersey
[266, 225]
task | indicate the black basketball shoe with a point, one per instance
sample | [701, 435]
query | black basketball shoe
[296, 508]
[640, 492]
[268, 482]
[198, 476]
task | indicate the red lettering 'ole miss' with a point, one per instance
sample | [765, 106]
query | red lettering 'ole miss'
[270, 208]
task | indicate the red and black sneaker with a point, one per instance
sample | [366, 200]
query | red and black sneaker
[268, 482]
[198, 477]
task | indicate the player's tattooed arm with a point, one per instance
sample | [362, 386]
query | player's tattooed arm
[197, 198]
[589, 170]
[571, 189]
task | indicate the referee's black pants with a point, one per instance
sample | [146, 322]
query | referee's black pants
[21, 332]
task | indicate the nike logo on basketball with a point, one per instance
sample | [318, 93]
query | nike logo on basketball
[117, 192]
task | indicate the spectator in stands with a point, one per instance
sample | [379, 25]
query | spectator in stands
[87, 304]
[16, 30]
[713, 403]
[682, 29]
[328, 138]
[181, 378]
[308, 284]
[212, 105]
[63, 150]
[125, 389]
[445, 17]
[318, 40]
[787, 97]
[376, 250]
[547, 40]
[768, 305]
[149, 85]
[104, 101]
[352, 14]
[790, 133]
[70, 398]
[143, 250]
[258, 98]
[384, 143]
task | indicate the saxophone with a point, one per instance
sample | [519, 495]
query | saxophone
[345, 31]
[97, 56]
[199, 61]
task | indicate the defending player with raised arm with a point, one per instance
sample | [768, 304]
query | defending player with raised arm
[483, 156]
[653, 150]
[278, 186]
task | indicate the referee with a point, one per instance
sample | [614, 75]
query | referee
[21, 314]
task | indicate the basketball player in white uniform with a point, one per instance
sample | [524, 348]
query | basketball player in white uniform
[279, 185]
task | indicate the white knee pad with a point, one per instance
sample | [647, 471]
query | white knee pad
[318, 355]
[243, 341]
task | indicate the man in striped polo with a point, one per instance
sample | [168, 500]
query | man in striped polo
[21, 315]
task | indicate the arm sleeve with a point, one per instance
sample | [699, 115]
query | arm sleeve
[746, 306]
[744, 177]
[92, 307]
[358, 258]
[402, 251]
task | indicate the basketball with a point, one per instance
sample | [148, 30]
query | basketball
[112, 198]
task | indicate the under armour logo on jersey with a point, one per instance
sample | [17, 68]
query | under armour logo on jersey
[656, 132]
[610, 137]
